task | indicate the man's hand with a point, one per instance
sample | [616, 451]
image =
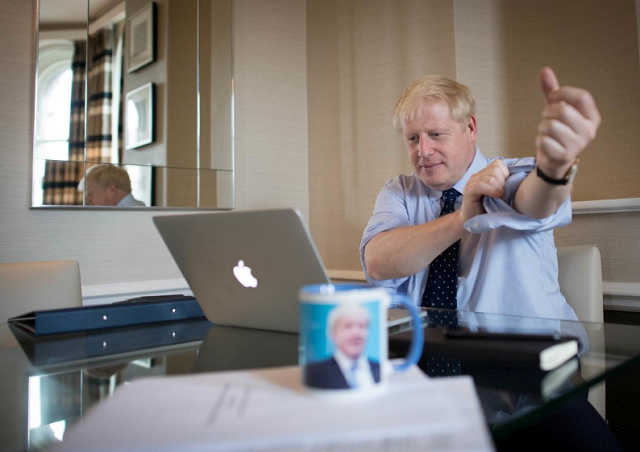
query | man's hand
[488, 182]
[570, 121]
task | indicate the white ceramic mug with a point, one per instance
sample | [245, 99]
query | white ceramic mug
[344, 336]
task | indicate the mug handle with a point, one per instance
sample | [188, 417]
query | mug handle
[415, 350]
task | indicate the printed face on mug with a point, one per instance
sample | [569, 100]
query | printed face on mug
[343, 337]
[341, 356]
[349, 330]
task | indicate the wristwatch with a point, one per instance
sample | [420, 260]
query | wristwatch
[568, 178]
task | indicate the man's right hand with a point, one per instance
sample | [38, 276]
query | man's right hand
[405, 251]
[488, 182]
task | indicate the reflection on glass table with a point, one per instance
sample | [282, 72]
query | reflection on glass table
[48, 385]
[512, 394]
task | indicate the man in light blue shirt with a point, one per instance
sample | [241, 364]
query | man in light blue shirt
[506, 211]
[109, 185]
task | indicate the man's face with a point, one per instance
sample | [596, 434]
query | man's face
[96, 195]
[440, 149]
[350, 334]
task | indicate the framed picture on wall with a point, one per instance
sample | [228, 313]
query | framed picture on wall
[140, 38]
[139, 117]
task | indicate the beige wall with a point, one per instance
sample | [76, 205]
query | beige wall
[362, 54]
[121, 246]
[618, 237]
[313, 102]
[271, 104]
[500, 47]
[480, 59]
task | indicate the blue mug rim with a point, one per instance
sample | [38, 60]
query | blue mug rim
[323, 289]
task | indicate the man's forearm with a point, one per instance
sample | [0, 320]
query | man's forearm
[536, 198]
[405, 251]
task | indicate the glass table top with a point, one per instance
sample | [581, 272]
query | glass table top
[47, 384]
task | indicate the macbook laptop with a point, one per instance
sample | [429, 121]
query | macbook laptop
[245, 268]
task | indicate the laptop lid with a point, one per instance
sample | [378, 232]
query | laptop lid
[245, 268]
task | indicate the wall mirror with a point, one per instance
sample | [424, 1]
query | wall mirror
[142, 90]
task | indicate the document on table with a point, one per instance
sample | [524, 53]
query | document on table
[269, 410]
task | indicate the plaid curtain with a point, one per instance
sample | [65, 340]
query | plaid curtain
[118, 93]
[61, 178]
[76, 126]
[100, 94]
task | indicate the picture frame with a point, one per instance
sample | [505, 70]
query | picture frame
[141, 31]
[139, 116]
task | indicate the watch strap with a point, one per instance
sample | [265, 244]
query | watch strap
[564, 181]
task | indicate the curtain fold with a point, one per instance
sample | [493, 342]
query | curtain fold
[100, 95]
[61, 178]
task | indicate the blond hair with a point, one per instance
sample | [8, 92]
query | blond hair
[105, 175]
[346, 310]
[434, 88]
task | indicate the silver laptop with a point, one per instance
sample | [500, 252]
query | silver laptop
[245, 268]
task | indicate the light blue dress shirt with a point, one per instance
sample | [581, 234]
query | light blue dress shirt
[508, 261]
[130, 201]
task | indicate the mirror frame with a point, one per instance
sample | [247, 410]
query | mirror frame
[198, 169]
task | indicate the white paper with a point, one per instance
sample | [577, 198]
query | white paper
[269, 410]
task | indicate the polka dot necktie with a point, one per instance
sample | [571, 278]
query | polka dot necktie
[439, 366]
[442, 284]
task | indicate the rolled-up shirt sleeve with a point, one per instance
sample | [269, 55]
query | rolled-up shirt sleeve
[501, 213]
[390, 212]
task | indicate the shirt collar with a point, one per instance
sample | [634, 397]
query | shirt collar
[345, 362]
[128, 197]
[478, 163]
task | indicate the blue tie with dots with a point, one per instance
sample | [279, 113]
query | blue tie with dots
[442, 366]
[442, 284]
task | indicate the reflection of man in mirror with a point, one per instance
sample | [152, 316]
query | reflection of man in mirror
[349, 367]
[109, 185]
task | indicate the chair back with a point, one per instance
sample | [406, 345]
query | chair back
[33, 286]
[580, 277]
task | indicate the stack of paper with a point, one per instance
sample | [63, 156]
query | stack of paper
[269, 410]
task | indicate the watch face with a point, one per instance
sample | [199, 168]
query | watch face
[572, 172]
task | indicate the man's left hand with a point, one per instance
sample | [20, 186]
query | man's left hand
[570, 121]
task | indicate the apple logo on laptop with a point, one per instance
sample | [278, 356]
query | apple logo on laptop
[244, 276]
